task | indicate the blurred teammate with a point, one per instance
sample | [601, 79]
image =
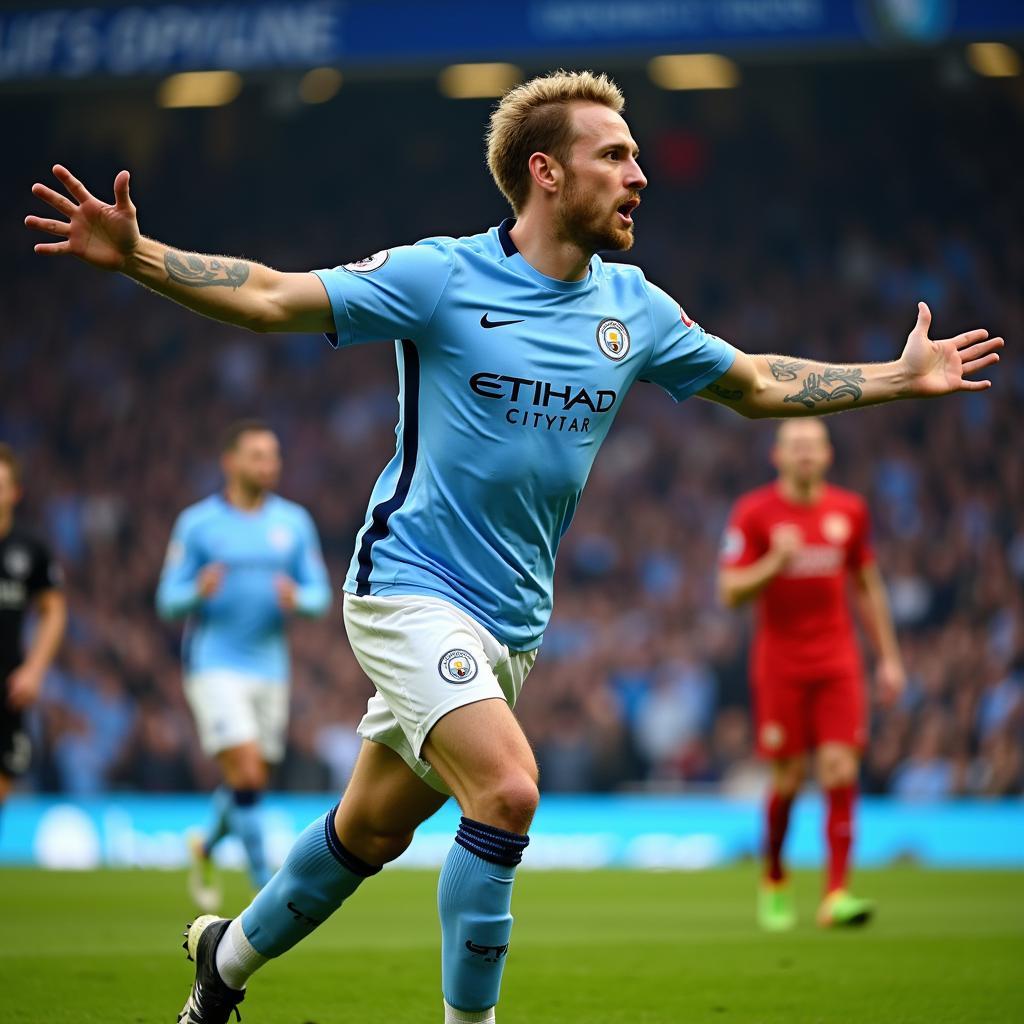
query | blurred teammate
[794, 547]
[518, 345]
[30, 578]
[239, 563]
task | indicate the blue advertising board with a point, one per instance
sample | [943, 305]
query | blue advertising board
[652, 832]
[46, 42]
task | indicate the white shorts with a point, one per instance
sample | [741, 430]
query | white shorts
[426, 657]
[231, 708]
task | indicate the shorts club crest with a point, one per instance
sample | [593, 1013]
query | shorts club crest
[457, 666]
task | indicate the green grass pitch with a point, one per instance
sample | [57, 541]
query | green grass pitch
[596, 947]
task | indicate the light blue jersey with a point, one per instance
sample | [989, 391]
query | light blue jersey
[508, 383]
[242, 626]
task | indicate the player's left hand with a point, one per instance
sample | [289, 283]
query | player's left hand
[23, 686]
[287, 593]
[942, 367]
[890, 680]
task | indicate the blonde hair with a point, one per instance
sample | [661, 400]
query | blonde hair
[534, 118]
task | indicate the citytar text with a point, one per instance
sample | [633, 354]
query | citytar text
[542, 405]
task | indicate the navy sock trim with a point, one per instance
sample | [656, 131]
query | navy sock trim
[492, 844]
[245, 797]
[346, 858]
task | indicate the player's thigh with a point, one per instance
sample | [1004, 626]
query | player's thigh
[839, 711]
[429, 659]
[383, 804]
[269, 699]
[781, 718]
[222, 708]
[481, 752]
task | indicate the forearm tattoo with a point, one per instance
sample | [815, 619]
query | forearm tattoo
[204, 271]
[725, 393]
[830, 385]
[785, 369]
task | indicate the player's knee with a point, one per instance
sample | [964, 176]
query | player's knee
[510, 802]
[384, 847]
[251, 778]
[787, 777]
[837, 768]
[244, 769]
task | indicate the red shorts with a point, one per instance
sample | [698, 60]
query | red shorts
[795, 717]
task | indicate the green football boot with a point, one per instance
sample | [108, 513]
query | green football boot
[841, 909]
[775, 909]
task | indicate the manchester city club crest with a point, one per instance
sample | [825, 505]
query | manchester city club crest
[369, 263]
[457, 666]
[279, 537]
[613, 339]
[17, 562]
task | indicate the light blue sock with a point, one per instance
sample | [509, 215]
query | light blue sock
[220, 807]
[246, 822]
[474, 899]
[318, 875]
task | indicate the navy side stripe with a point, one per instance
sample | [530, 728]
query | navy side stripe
[410, 445]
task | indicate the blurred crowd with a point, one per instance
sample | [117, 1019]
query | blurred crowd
[806, 214]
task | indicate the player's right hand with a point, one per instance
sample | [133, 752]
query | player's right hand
[210, 579]
[102, 235]
[23, 686]
[785, 541]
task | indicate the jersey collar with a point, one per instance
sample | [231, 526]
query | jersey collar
[516, 261]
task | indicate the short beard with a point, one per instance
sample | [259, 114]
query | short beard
[582, 222]
[253, 488]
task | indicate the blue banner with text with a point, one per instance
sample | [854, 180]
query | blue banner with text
[144, 39]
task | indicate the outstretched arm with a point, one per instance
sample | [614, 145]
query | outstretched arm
[769, 385]
[235, 291]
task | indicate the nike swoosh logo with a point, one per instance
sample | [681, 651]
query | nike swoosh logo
[484, 322]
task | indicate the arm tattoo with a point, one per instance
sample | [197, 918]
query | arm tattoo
[785, 369]
[833, 383]
[203, 271]
[725, 393]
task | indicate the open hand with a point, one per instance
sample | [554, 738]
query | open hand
[941, 367]
[890, 680]
[785, 541]
[104, 236]
[209, 580]
[23, 686]
[287, 593]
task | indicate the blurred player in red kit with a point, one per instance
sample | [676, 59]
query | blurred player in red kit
[793, 547]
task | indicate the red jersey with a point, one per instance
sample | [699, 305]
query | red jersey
[804, 628]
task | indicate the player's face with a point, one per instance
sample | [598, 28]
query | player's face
[602, 182]
[802, 451]
[255, 461]
[9, 491]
